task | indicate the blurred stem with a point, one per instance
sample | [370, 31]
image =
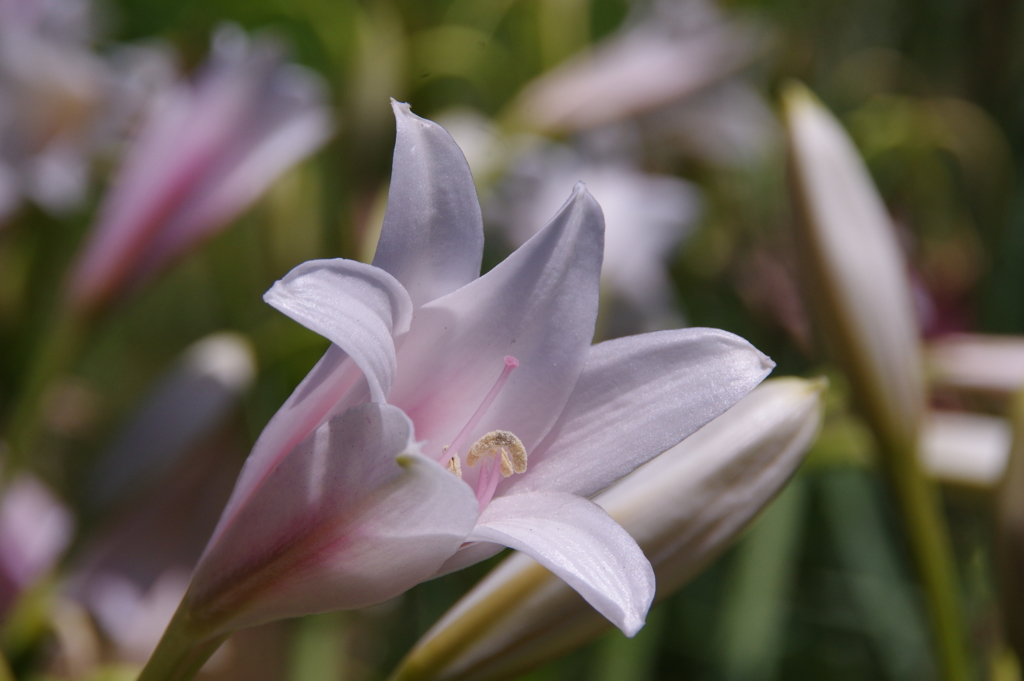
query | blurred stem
[56, 351]
[183, 650]
[933, 555]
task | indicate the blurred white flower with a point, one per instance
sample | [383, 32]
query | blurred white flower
[133, 619]
[977, 363]
[51, 90]
[966, 449]
[728, 124]
[646, 218]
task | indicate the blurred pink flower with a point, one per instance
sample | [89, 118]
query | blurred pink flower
[674, 49]
[204, 153]
[35, 528]
[367, 480]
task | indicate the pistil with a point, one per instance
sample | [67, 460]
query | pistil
[502, 452]
[452, 450]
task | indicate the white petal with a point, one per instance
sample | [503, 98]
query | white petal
[353, 516]
[637, 397]
[579, 542]
[358, 307]
[539, 306]
[433, 235]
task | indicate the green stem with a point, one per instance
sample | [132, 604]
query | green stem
[933, 555]
[182, 651]
[56, 351]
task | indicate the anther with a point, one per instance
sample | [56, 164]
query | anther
[504, 447]
[506, 455]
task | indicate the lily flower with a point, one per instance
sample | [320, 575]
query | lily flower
[683, 508]
[205, 152]
[453, 415]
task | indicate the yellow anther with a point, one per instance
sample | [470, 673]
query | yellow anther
[455, 466]
[504, 445]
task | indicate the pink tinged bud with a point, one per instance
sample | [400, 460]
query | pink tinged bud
[207, 152]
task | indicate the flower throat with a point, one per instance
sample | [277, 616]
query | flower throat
[503, 453]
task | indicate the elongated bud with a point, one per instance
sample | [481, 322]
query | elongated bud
[683, 508]
[861, 292]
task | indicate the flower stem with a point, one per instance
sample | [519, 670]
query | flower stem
[933, 555]
[182, 651]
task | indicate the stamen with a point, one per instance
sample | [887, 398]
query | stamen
[505, 447]
[510, 364]
[506, 456]
[455, 466]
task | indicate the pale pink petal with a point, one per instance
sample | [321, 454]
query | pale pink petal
[352, 517]
[183, 176]
[433, 236]
[637, 397]
[578, 541]
[178, 141]
[359, 307]
[289, 124]
[308, 405]
[639, 70]
[539, 306]
[313, 294]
